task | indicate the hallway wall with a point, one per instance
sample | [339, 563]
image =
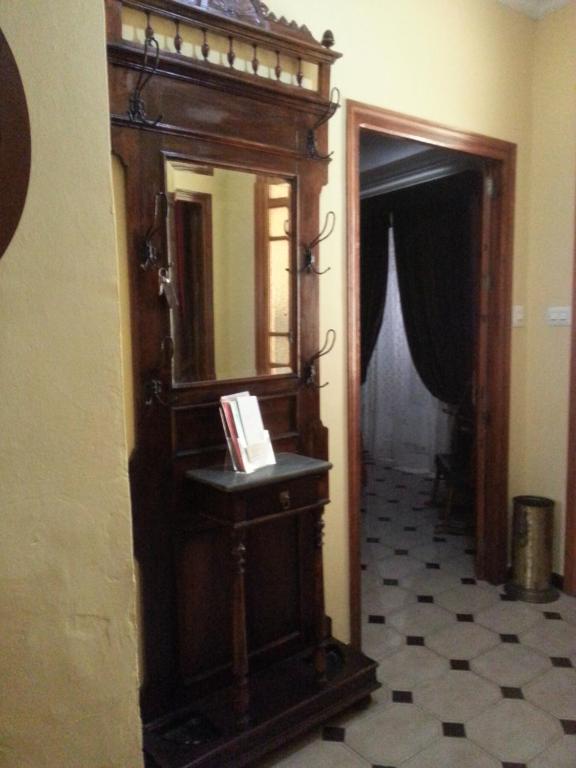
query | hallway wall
[69, 660]
[550, 256]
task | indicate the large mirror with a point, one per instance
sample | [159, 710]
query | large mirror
[231, 272]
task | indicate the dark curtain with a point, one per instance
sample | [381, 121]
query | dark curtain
[437, 237]
[374, 224]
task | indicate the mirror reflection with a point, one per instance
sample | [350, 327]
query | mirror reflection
[230, 264]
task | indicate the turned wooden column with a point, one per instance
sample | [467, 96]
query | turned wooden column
[241, 693]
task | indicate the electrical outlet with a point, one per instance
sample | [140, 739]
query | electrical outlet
[558, 315]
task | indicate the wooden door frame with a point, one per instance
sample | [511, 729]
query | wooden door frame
[493, 373]
[569, 580]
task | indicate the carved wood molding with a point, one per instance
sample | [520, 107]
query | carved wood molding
[251, 12]
[249, 20]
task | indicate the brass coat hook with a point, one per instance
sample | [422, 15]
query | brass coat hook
[310, 367]
[311, 146]
[150, 254]
[136, 108]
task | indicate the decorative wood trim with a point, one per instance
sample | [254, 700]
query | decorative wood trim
[570, 516]
[495, 353]
[253, 23]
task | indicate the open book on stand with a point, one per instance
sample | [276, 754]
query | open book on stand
[248, 442]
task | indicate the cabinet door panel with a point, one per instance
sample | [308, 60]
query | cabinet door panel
[273, 593]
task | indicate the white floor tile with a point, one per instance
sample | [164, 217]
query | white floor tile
[514, 731]
[393, 734]
[555, 692]
[452, 753]
[457, 696]
[511, 664]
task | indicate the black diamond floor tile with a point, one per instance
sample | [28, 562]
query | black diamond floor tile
[460, 664]
[454, 730]
[569, 727]
[402, 697]
[512, 693]
[561, 661]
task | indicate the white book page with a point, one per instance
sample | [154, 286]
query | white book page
[252, 425]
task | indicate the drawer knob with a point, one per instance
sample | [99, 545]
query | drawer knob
[285, 499]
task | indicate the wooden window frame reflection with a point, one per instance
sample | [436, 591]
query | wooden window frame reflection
[262, 205]
[199, 361]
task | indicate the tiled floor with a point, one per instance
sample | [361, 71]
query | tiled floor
[469, 678]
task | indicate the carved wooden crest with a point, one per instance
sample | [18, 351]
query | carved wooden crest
[250, 12]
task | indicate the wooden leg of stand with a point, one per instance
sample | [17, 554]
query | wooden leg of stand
[239, 638]
[320, 623]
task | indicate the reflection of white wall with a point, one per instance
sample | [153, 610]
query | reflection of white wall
[233, 246]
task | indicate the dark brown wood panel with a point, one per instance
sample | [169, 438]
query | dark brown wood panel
[272, 580]
[15, 145]
[204, 638]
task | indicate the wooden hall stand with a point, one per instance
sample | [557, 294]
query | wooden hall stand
[237, 652]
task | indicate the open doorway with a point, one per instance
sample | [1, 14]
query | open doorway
[461, 167]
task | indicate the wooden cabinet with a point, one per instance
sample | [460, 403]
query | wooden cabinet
[223, 106]
[281, 671]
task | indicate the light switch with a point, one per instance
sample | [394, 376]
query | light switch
[558, 315]
[518, 317]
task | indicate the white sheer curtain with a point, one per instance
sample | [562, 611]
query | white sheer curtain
[403, 425]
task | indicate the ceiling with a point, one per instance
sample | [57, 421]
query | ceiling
[536, 9]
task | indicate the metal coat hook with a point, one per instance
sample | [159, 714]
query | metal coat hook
[324, 234]
[308, 248]
[153, 390]
[311, 146]
[150, 255]
[136, 108]
[310, 368]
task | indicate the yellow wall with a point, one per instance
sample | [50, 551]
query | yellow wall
[464, 63]
[550, 254]
[69, 662]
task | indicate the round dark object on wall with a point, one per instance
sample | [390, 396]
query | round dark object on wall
[14, 145]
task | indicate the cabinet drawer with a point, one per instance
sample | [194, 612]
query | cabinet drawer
[285, 496]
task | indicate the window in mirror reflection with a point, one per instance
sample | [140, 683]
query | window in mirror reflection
[230, 253]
